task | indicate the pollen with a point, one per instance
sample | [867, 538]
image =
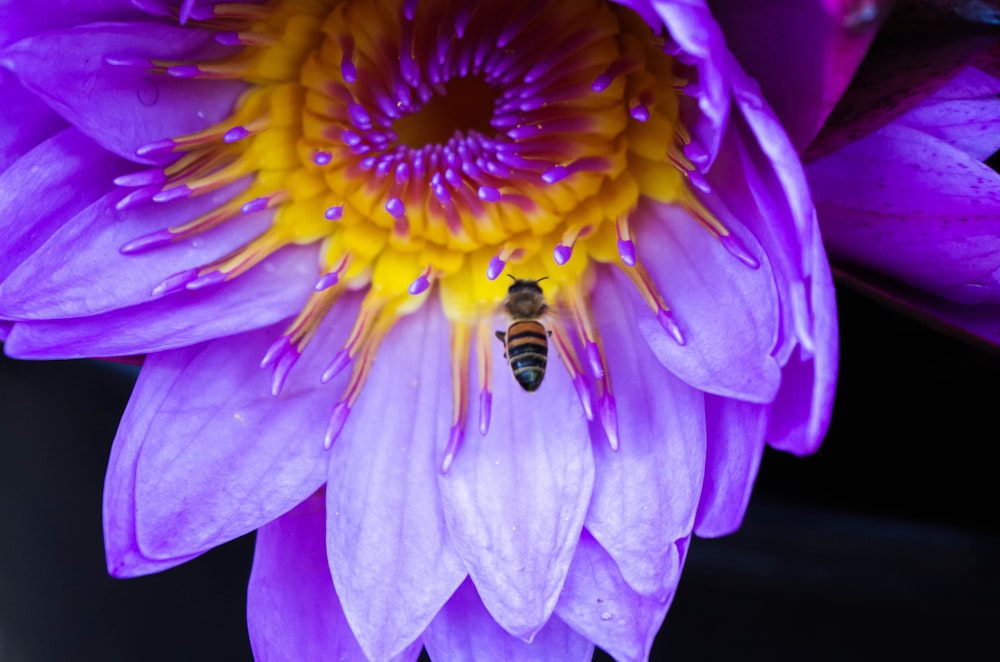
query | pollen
[427, 148]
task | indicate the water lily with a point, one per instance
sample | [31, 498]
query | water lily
[305, 215]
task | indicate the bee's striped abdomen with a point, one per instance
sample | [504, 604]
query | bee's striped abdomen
[527, 351]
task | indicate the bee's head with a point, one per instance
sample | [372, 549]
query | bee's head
[525, 285]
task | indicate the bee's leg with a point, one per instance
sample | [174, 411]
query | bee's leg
[502, 337]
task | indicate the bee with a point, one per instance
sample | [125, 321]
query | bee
[526, 340]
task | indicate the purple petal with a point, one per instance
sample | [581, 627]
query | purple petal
[76, 172]
[389, 552]
[933, 220]
[735, 445]
[645, 493]
[124, 557]
[79, 271]
[599, 604]
[515, 499]
[238, 457]
[964, 114]
[292, 609]
[4, 330]
[726, 311]
[272, 291]
[800, 414]
[26, 121]
[810, 54]
[123, 107]
[465, 632]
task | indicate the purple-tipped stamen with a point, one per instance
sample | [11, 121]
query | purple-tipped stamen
[347, 69]
[485, 410]
[396, 208]
[328, 280]
[173, 193]
[738, 249]
[211, 278]
[228, 38]
[340, 361]
[420, 283]
[334, 213]
[639, 112]
[594, 359]
[697, 154]
[275, 351]
[156, 147]
[562, 253]
[137, 197]
[583, 393]
[322, 158]
[609, 418]
[184, 71]
[146, 242]
[141, 178]
[127, 61]
[454, 443]
[669, 324]
[489, 194]
[495, 267]
[235, 134]
[340, 413]
[281, 370]
[255, 205]
[175, 283]
[626, 250]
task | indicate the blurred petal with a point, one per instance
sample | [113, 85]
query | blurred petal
[910, 61]
[238, 457]
[599, 604]
[646, 493]
[932, 220]
[122, 107]
[389, 552]
[965, 114]
[464, 631]
[515, 499]
[292, 608]
[726, 310]
[735, 445]
[810, 54]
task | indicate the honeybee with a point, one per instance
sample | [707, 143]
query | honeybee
[526, 340]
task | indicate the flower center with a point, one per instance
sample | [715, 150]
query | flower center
[434, 143]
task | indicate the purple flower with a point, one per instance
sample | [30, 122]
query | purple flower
[336, 192]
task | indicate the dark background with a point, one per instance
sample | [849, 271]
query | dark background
[886, 542]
